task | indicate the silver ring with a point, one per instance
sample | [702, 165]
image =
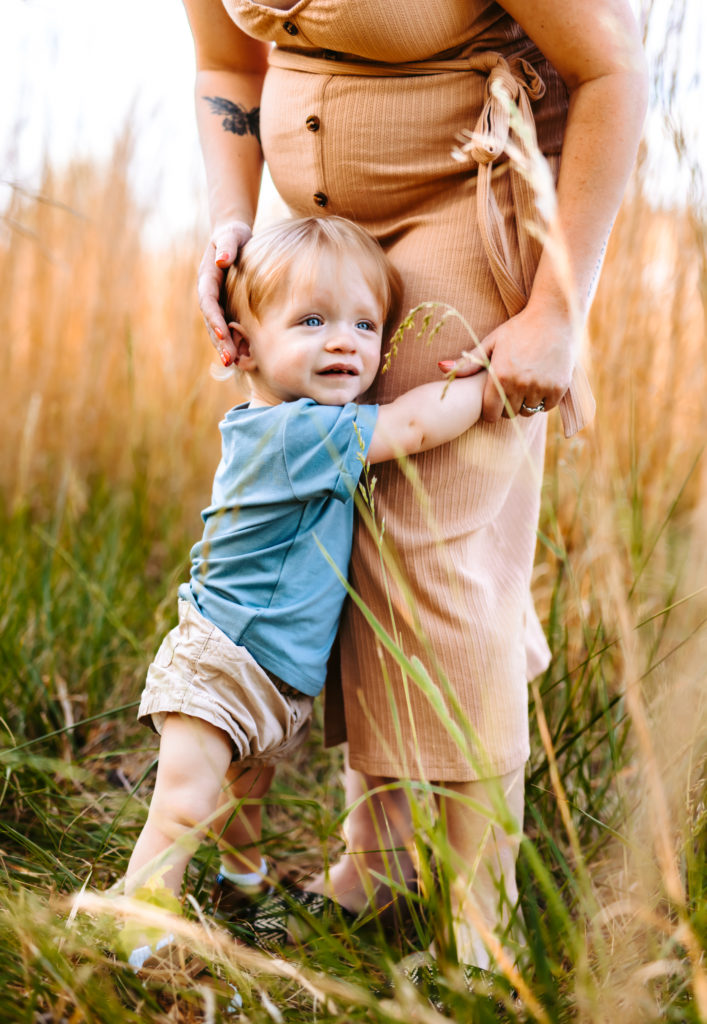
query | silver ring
[533, 408]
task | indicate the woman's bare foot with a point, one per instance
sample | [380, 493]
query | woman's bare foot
[378, 833]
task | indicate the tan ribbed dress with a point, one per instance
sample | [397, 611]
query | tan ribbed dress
[374, 143]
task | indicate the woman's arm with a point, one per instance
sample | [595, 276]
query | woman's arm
[229, 79]
[596, 47]
[426, 416]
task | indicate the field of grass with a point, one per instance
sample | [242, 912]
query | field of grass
[109, 427]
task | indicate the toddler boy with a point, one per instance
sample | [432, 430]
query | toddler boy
[231, 688]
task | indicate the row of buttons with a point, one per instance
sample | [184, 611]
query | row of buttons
[313, 123]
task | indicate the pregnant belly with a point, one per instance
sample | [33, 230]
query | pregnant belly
[361, 147]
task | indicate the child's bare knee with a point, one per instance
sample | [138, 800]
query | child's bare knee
[184, 805]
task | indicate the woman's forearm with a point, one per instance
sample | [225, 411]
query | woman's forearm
[228, 112]
[601, 139]
[229, 80]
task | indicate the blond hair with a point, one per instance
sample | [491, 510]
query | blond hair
[267, 259]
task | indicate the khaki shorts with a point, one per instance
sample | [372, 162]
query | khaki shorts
[199, 671]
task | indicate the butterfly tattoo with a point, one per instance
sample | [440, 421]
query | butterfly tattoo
[236, 118]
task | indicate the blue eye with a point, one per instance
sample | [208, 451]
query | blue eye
[365, 325]
[312, 321]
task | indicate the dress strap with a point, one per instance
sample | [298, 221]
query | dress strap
[512, 83]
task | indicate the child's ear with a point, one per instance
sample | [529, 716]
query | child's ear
[244, 359]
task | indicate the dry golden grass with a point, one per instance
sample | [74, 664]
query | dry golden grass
[103, 343]
[630, 502]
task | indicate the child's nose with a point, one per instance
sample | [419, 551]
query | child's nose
[343, 339]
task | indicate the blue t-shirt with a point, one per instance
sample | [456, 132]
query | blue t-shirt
[288, 474]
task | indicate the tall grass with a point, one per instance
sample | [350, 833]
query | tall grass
[109, 447]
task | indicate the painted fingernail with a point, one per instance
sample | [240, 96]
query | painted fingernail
[219, 333]
[225, 256]
[446, 365]
[225, 359]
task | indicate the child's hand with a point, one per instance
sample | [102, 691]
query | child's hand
[220, 253]
[466, 365]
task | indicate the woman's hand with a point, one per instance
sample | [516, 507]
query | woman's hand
[221, 252]
[530, 359]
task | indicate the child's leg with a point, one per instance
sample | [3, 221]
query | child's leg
[239, 824]
[193, 761]
[485, 886]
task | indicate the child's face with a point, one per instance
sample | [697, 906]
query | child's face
[319, 337]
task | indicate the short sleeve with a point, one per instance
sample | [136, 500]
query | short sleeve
[326, 447]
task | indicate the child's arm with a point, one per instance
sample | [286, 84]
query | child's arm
[426, 416]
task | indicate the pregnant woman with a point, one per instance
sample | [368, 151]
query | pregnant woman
[359, 107]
